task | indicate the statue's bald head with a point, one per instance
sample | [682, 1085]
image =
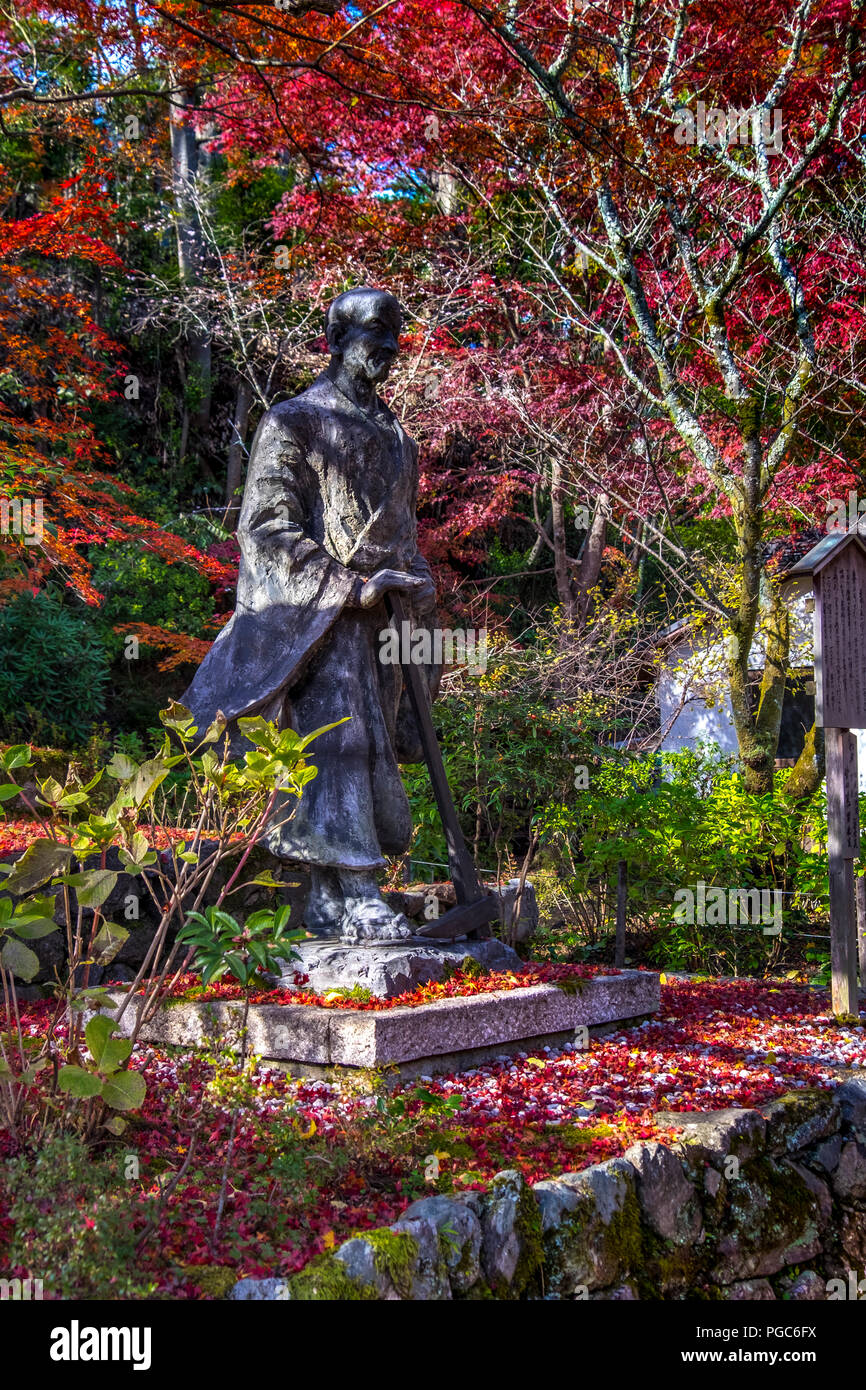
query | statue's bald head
[362, 327]
[360, 306]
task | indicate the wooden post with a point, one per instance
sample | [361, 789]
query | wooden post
[837, 569]
[843, 845]
[860, 894]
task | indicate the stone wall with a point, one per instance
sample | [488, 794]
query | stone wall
[742, 1204]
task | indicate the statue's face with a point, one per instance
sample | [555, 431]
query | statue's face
[368, 344]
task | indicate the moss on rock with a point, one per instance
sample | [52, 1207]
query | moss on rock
[769, 1221]
[325, 1280]
[395, 1254]
[215, 1281]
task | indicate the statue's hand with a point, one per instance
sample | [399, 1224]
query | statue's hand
[385, 580]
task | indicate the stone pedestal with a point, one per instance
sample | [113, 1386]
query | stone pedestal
[443, 1036]
[389, 970]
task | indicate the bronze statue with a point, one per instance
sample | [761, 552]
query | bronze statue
[327, 528]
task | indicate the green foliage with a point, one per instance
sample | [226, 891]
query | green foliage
[28, 921]
[508, 753]
[140, 587]
[223, 947]
[358, 994]
[53, 671]
[676, 820]
[106, 1077]
[230, 804]
[72, 1221]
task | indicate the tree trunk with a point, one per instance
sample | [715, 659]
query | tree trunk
[591, 554]
[541, 542]
[757, 729]
[560, 551]
[808, 771]
[237, 451]
[186, 166]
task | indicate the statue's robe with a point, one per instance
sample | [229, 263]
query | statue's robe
[330, 495]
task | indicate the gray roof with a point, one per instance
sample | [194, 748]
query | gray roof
[829, 548]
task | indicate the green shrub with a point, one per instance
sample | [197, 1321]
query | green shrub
[53, 671]
[72, 1217]
[509, 752]
[140, 587]
[519, 765]
[678, 819]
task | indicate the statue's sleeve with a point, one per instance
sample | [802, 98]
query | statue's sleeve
[290, 590]
[275, 519]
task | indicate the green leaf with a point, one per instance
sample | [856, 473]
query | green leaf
[70, 800]
[281, 920]
[260, 731]
[265, 880]
[8, 790]
[147, 779]
[114, 1124]
[141, 855]
[121, 768]
[260, 920]
[29, 1075]
[32, 928]
[108, 942]
[97, 1034]
[93, 886]
[18, 755]
[51, 790]
[217, 728]
[125, 1091]
[176, 716]
[317, 733]
[116, 1052]
[302, 775]
[75, 1081]
[19, 959]
[94, 994]
[40, 861]
[213, 970]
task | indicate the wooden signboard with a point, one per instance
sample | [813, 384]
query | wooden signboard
[840, 641]
[837, 568]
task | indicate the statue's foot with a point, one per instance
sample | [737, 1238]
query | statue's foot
[372, 920]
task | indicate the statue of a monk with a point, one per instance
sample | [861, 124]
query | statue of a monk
[327, 527]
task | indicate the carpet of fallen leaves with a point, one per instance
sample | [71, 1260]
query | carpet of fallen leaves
[316, 1161]
[459, 984]
[17, 835]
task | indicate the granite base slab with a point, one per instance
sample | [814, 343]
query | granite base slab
[458, 1028]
